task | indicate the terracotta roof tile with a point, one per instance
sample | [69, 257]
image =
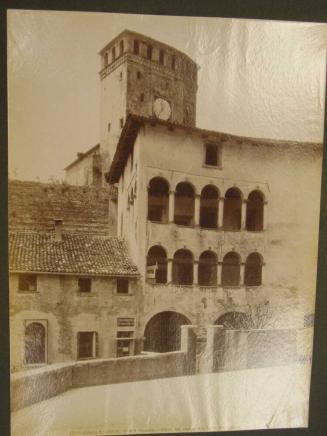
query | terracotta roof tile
[75, 254]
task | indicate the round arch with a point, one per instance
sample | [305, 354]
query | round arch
[157, 259]
[184, 204]
[158, 199]
[163, 332]
[209, 201]
[232, 209]
[254, 211]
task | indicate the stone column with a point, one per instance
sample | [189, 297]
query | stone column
[169, 270]
[264, 218]
[197, 210]
[221, 213]
[195, 272]
[171, 206]
[219, 269]
[242, 274]
[243, 215]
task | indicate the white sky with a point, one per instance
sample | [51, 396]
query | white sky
[257, 78]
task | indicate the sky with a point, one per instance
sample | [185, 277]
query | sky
[257, 78]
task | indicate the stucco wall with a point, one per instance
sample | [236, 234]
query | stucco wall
[67, 311]
[289, 176]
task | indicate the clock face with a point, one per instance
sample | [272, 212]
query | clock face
[161, 109]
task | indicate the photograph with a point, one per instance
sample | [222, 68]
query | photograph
[163, 210]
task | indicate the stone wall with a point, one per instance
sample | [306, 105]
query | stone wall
[33, 386]
[40, 384]
[127, 369]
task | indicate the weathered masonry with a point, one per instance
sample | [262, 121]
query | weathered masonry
[73, 297]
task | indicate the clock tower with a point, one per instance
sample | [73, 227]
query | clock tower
[143, 77]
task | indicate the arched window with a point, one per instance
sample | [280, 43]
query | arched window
[254, 211]
[209, 207]
[253, 270]
[35, 343]
[158, 200]
[183, 267]
[184, 204]
[208, 269]
[157, 259]
[232, 209]
[230, 274]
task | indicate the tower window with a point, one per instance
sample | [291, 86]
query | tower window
[113, 53]
[173, 62]
[122, 286]
[109, 127]
[212, 155]
[136, 46]
[84, 284]
[161, 57]
[121, 123]
[121, 47]
[105, 59]
[142, 97]
[149, 52]
[138, 75]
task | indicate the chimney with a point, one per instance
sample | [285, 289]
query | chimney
[58, 229]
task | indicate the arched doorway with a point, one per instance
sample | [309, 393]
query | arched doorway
[163, 332]
[232, 320]
[35, 343]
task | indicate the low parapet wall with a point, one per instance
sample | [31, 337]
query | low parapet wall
[36, 385]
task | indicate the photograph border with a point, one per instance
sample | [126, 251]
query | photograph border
[286, 10]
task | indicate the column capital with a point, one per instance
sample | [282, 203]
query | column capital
[171, 191]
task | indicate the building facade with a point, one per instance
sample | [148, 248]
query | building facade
[218, 229]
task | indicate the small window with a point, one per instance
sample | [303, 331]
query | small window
[121, 76]
[121, 123]
[27, 282]
[138, 75]
[84, 284]
[122, 286]
[212, 155]
[121, 47]
[136, 46]
[161, 57]
[173, 62]
[142, 97]
[125, 341]
[149, 52]
[113, 53]
[109, 127]
[87, 343]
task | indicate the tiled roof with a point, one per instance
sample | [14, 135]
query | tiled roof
[33, 206]
[75, 254]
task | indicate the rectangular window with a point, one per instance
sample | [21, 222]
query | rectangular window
[161, 57]
[122, 286]
[113, 53]
[149, 52]
[212, 155]
[125, 341]
[84, 284]
[121, 123]
[105, 59]
[142, 97]
[121, 47]
[136, 46]
[109, 127]
[27, 282]
[173, 62]
[87, 345]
